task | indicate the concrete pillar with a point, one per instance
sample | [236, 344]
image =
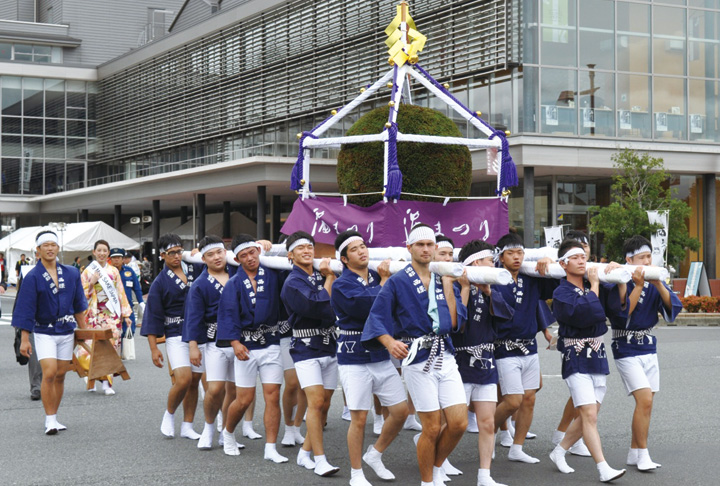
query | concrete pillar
[709, 228]
[156, 235]
[261, 195]
[84, 216]
[184, 214]
[275, 210]
[200, 216]
[529, 205]
[118, 217]
[226, 220]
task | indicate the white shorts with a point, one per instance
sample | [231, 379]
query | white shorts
[639, 372]
[436, 389]
[361, 381]
[287, 361]
[396, 363]
[178, 354]
[219, 363]
[50, 346]
[586, 389]
[518, 373]
[480, 393]
[318, 371]
[266, 362]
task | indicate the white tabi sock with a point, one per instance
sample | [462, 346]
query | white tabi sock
[186, 431]
[484, 479]
[506, 438]
[346, 414]
[304, 460]
[558, 457]
[230, 446]
[373, 458]
[219, 421]
[439, 476]
[248, 431]
[644, 463]
[378, 424]
[51, 425]
[299, 439]
[288, 439]
[516, 454]
[167, 427]
[357, 478]
[206, 438]
[411, 423]
[449, 469]
[323, 467]
[557, 437]
[607, 473]
[271, 454]
[632, 457]
[425, 483]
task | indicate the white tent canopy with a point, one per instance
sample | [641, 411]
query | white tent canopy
[77, 240]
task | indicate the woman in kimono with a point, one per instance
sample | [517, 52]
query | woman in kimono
[107, 302]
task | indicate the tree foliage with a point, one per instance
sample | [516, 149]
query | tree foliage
[642, 184]
[440, 170]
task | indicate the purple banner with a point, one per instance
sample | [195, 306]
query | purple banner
[388, 224]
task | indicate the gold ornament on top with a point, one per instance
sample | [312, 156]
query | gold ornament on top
[404, 41]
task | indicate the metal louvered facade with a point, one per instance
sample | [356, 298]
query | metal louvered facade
[248, 88]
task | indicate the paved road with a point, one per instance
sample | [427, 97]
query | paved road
[116, 440]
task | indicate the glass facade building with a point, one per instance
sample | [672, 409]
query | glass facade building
[48, 129]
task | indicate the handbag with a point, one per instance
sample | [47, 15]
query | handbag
[23, 360]
[128, 345]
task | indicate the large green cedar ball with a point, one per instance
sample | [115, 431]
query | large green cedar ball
[427, 168]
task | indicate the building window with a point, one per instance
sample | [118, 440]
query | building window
[30, 53]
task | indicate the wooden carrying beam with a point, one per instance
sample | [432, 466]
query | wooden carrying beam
[102, 359]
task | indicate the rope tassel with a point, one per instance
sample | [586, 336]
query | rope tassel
[508, 171]
[395, 178]
[297, 173]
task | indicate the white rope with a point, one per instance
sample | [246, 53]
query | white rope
[352, 105]
[337, 141]
[474, 143]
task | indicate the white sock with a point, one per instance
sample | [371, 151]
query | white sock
[644, 463]
[607, 473]
[516, 454]
[50, 419]
[271, 454]
[379, 417]
[248, 431]
[558, 457]
[186, 431]
[425, 483]
[438, 475]
[356, 473]
[557, 437]
[320, 459]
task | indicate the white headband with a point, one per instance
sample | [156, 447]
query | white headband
[502, 250]
[46, 238]
[642, 249]
[420, 234]
[581, 239]
[246, 245]
[171, 245]
[301, 241]
[345, 243]
[477, 256]
[209, 247]
[444, 244]
[570, 253]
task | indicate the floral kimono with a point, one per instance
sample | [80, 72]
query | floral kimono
[100, 313]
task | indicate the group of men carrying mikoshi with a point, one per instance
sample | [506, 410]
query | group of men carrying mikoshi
[453, 341]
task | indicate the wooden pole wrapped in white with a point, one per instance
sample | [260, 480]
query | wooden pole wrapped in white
[651, 273]
[616, 276]
[488, 275]
[391, 252]
[535, 254]
[447, 269]
[554, 270]
[395, 267]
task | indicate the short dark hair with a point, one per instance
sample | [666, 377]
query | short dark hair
[510, 239]
[240, 239]
[342, 237]
[577, 235]
[101, 242]
[208, 240]
[472, 247]
[440, 237]
[168, 240]
[634, 243]
[568, 245]
[298, 235]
